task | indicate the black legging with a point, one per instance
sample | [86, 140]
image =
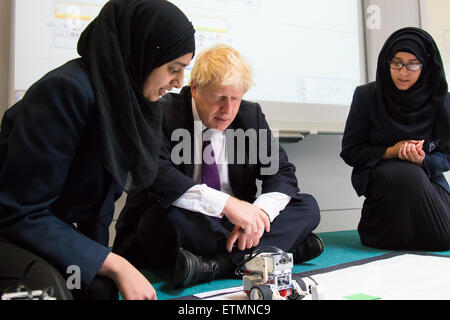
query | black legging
[20, 266]
[405, 210]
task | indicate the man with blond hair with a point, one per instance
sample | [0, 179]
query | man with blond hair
[202, 214]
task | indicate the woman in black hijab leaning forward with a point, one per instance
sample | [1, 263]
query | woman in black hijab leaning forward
[80, 136]
[397, 139]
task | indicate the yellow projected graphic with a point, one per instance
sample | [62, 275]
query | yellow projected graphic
[209, 31]
[69, 20]
[76, 11]
[210, 24]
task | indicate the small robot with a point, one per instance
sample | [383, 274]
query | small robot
[267, 275]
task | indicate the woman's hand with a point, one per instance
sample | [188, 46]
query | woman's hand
[393, 151]
[412, 152]
[131, 283]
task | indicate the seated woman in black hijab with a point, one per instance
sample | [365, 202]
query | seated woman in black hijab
[397, 140]
[80, 136]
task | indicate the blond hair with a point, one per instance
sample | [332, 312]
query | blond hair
[221, 65]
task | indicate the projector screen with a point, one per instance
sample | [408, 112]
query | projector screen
[306, 55]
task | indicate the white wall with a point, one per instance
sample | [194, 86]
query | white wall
[322, 173]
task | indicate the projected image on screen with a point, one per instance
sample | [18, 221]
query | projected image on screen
[301, 51]
[45, 36]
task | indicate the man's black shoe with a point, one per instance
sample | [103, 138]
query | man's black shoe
[192, 269]
[307, 250]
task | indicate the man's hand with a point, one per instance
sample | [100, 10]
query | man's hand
[245, 241]
[131, 283]
[249, 217]
[249, 220]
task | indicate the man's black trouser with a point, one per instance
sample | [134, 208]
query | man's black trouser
[161, 232]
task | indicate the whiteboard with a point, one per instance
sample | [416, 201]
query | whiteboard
[306, 55]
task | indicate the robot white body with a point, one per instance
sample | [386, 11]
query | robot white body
[268, 276]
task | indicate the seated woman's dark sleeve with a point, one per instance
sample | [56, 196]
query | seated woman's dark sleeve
[38, 140]
[438, 160]
[357, 151]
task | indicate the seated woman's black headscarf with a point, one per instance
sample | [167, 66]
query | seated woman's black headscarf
[120, 48]
[419, 111]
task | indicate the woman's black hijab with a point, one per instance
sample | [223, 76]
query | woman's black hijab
[127, 40]
[420, 111]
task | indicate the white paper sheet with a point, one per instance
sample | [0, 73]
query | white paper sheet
[403, 277]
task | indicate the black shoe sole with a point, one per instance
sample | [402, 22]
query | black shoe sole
[314, 248]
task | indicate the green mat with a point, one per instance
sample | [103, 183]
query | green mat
[339, 247]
